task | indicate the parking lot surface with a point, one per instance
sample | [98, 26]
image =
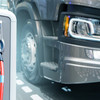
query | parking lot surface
[55, 91]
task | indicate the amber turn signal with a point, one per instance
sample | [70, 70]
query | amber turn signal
[66, 26]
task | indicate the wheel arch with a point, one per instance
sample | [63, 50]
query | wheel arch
[31, 8]
[24, 11]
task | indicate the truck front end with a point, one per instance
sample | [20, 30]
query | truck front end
[79, 42]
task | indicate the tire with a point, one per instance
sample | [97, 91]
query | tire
[29, 52]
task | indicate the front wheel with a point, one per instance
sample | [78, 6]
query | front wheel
[29, 55]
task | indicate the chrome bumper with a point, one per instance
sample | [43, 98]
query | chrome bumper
[76, 66]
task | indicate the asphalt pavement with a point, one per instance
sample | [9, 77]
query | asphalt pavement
[55, 91]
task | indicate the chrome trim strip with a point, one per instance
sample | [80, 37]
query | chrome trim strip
[79, 60]
[81, 66]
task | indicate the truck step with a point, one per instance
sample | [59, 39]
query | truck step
[50, 65]
[51, 41]
[50, 37]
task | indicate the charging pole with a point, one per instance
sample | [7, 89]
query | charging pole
[1, 62]
[7, 55]
[1, 77]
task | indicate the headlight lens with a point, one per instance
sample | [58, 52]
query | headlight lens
[83, 28]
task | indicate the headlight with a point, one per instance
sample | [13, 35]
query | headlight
[83, 28]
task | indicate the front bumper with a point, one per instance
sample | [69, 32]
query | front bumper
[76, 67]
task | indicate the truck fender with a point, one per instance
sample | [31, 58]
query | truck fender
[31, 9]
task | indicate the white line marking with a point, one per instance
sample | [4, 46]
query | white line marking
[26, 89]
[66, 89]
[36, 97]
[19, 82]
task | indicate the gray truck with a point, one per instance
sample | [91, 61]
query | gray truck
[58, 40]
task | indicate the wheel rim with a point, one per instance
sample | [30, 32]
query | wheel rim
[28, 51]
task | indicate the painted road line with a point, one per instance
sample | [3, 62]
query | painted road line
[26, 89]
[36, 97]
[66, 89]
[19, 82]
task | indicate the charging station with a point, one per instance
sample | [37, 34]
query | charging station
[8, 33]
